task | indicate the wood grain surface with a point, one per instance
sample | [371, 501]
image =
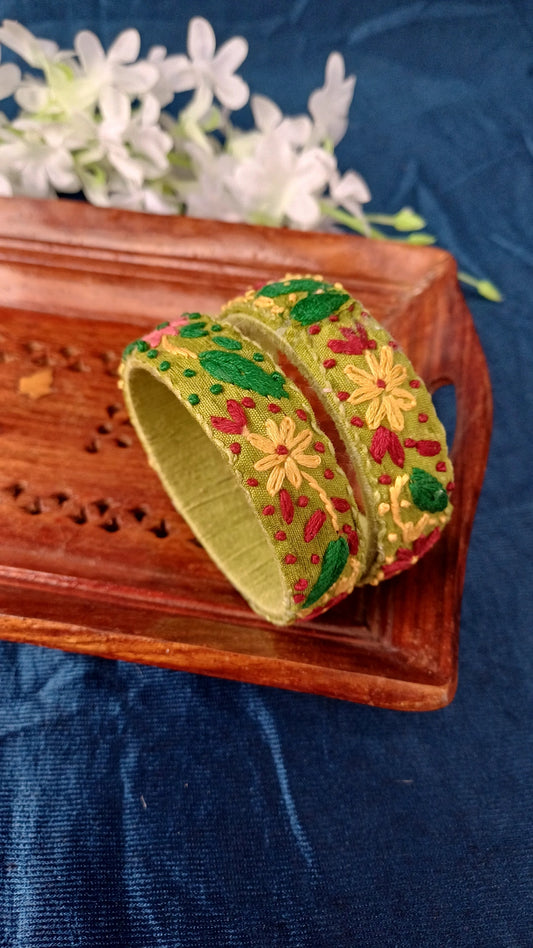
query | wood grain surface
[94, 558]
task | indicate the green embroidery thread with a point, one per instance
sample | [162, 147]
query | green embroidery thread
[301, 285]
[230, 367]
[333, 563]
[193, 331]
[427, 492]
[318, 306]
[226, 343]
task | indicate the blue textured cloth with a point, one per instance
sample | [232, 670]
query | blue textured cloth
[142, 808]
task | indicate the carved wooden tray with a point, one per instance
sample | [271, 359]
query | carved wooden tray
[94, 558]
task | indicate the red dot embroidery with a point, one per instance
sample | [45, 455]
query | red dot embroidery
[299, 597]
[268, 510]
[352, 307]
[329, 363]
[357, 421]
[334, 318]
[280, 535]
[314, 329]
[248, 402]
[415, 383]
[441, 466]
[274, 408]
[410, 443]
[302, 500]
[342, 396]
[328, 474]
[318, 446]
[290, 558]
[346, 528]
[422, 417]
[252, 482]
[385, 479]
[302, 415]
[450, 486]
[301, 584]
[235, 447]
[315, 558]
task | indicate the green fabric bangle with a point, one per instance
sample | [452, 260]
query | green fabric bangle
[387, 434]
[239, 451]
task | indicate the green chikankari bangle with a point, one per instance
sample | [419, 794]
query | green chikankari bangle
[238, 449]
[368, 398]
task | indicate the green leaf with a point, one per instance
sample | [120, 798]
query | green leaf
[231, 367]
[333, 563]
[226, 343]
[303, 285]
[317, 306]
[427, 492]
[193, 331]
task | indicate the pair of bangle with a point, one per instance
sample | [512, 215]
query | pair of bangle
[295, 438]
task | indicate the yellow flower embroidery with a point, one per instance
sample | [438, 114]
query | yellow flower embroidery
[382, 388]
[284, 453]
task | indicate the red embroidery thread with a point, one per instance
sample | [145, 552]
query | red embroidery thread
[385, 441]
[235, 423]
[340, 504]
[286, 506]
[314, 524]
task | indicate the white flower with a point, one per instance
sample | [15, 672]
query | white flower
[135, 145]
[207, 69]
[118, 68]
[37, 168]
[6, 188]
[279, 184]
[9, 79]
[148, 198]
[169, 74]
[209, 193]
[94, 121]
[350, 192]
[269, 118]
[329, 105]
[36, 52]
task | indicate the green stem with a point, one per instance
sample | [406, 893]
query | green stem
[349, 220]
[484, 287]
[361, 227]
[405, 219]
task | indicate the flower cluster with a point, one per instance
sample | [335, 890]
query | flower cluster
[99, 123]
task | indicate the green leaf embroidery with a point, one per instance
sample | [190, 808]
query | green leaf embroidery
[303, 285]
[333, 563]
[312, 309]
[427, 492]
[230, 367]
[226, 343]
[193, 331]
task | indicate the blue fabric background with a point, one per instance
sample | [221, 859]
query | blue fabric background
[150, 809]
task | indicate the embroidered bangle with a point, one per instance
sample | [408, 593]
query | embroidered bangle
[238, 449]
[387, 435]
